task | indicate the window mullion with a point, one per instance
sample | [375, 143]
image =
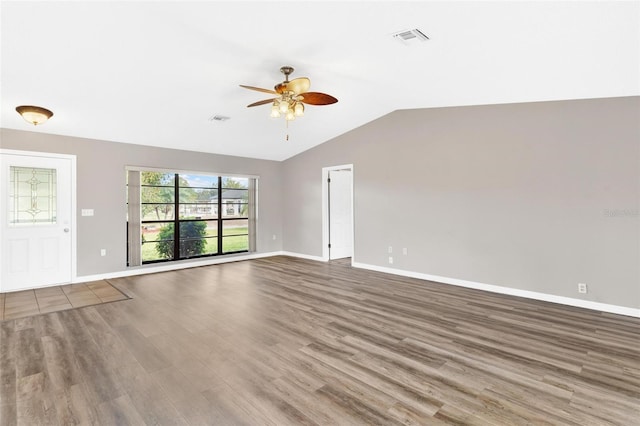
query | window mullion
[176, 218]
[219, 214]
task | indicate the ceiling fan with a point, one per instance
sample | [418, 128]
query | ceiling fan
[291, 96]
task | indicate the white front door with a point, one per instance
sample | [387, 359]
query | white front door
[36, 220]
[340, 214]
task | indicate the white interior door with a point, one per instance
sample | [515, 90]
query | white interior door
[340, 214]
[36, 221]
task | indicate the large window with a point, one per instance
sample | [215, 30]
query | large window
[182, 215]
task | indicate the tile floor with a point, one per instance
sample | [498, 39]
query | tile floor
[51, 299]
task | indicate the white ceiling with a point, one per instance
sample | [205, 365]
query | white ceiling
[153, 73]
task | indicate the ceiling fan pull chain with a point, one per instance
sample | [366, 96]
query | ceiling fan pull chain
[287, 124]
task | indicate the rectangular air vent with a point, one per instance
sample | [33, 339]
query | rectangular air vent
[219, 118]
[410, 36]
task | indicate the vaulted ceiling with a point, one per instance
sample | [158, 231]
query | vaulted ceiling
[154, 73]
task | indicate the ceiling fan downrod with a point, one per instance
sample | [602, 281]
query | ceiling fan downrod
[286, 70]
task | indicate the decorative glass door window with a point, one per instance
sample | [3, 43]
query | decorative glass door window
[32, 196]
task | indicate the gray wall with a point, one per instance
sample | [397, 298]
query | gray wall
[537, 196]
[101, 186]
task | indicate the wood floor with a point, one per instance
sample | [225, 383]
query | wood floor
[283, 341]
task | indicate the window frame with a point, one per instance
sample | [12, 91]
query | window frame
[220, 219]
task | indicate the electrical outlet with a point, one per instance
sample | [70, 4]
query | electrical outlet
[390, 260]
[582, 288]
[390, 250]
[103, 252]
[274, 237]
[405, 251]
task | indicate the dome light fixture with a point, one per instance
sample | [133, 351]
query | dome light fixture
[34, 114]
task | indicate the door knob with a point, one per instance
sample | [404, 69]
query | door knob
[66, 229]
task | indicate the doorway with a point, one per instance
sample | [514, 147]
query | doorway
[37, 219]
[337, 214]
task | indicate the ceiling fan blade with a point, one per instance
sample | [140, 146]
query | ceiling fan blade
[266, 101]
[317, 98]
[259, 89]
[299, 85]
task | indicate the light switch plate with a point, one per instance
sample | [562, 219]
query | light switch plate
[87, 212]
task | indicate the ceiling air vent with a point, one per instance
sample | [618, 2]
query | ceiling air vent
[219, 118]
[410, 36]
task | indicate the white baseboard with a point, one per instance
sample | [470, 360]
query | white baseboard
[597, 306]
[149, 269]
[173, 266]
[303, 256]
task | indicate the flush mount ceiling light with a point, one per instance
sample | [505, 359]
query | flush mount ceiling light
[291, 96]
[34, 114]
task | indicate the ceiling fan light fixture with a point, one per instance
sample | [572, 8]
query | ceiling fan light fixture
[291, 97]
[284, 106]
[34, 114]
[290, 115]
[275, 110]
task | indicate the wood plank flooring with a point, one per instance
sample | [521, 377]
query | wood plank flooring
[284, 341]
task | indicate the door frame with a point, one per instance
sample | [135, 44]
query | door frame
[73, 224]
[325, 210]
